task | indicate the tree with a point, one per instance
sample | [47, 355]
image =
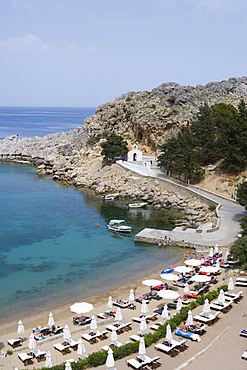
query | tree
[242, 194]
[238, 252]
[113, 147]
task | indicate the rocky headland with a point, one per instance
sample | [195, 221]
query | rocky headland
[143, 118]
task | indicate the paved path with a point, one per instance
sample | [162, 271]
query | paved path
[230, 212]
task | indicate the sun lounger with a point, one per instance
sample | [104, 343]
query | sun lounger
[240, 283]
[244, 355]
[243, 333]
[62, 348]
[234, 296]
[121, 303]
[242, 279]
[73, 344]
[112, 345]
[156, 326]
[118, 328]
[209, 319]
[90, 338]
[221, 307]
[170, 350]
[40, 355]
[128, 326]
[136, 364]
[26, 358]
[15, 342]
[198, 330]
[188, 335]
[135, 338]
[82, 320]
[57, 330]
[152, 362]
[106, 314]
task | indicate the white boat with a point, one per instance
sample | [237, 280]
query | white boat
[136, 205]
[118, 226]
[110, 196]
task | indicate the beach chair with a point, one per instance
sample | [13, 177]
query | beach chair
[156, 326]
[241, 283]
[235, 297]
[90, 338]
[207, 319]
[136, 364]
[169, 350]
[26, 358]
[244, 355]
[102, 335]
[121, 303]
[64, 349]
[38, 354]
[15, 342]
[57, 330]
[135, 338]
[221, 307]
[243, 333]
[73, 344]
[128, 326]
[188, 334]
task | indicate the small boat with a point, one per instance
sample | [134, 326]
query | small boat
[110, 196]
[136, 205]
[118, 226]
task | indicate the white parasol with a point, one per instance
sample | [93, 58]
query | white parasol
[151, 282]
[186, 288]
[182, 269]
[230, 284]
[68, 366]
[118, 316]
[193, 262]
[81, 348]
[81, 307]
[143, 324]
[211, 252]
[200, 278]
[51, 320]
[20, 329]
[179, 304]
[189, 320]
[48, 360]
[110, 358]
[131, 295]
[32, 342]
[93, 323]
[206, 308]
[168, 333]
[165, 313]
[142, 349]
[170, 277]
[66, 332]
[168, 294]
[109, 303]
[144, 306]
[209, 269]
[216, 249]
[221, 297]
[114, 336]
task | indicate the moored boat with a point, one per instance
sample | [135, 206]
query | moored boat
[136, 205]
[119, 226]
[110, 196]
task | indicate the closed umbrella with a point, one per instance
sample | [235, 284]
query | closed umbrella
[168, 333]
[68, 366]
[165, 313]
[221, 297]
[179, 304]
[186, 288]
[66, 332]
[189, 321]
[227, 254]
[20, 329]
[170, 277]
[51, 320]
[118, 316]
[93, 323]
[142, 349]
[109, 303]
[143, 325]
[216, 249]
[230, 284]
[81, 307]
[144, 306]
[131, 295]
[81, 349]
[193, 262]
[48, 360]
[206, 308]
[114, 336]
[110, 358]
[32, 342]
[151, 282]
[211, 252]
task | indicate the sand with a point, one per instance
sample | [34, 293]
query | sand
[221, 343]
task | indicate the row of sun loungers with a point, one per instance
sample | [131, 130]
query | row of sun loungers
[27, 358]
[143, 361]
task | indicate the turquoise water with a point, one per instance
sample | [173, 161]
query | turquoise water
[51, 250]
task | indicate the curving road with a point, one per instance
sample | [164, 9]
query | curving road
[230, 212]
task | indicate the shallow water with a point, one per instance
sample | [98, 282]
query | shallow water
[51, 250]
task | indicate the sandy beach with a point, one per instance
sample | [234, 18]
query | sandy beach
[220, 343]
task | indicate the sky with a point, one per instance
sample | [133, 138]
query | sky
[83, 53]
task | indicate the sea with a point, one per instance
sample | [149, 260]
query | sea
[52, 252]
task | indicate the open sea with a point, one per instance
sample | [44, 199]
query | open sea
[51, 250]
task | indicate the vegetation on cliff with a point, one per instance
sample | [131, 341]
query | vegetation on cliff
[216, 133]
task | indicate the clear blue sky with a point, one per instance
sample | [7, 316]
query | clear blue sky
[87, 52]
